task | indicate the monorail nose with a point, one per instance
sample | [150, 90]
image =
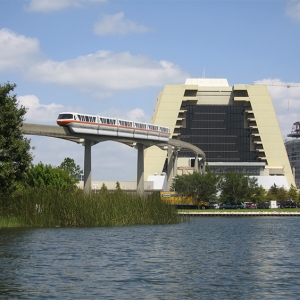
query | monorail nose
[60, 123]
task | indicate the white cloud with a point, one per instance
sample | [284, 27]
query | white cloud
[136, 114]
[40, 113]
[293, 9]
[116, 24]
[16, 51]
[286, 102]
[55, 5]
[100, 73]
[106, 70]
[53, 151]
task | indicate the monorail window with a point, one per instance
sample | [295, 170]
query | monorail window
[125, 123]
[141, 125]
[103, 120]
[153, 127]
[65, 116]
[164, 129]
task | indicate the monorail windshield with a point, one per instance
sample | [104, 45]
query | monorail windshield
[65, 116]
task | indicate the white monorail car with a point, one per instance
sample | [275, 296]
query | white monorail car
[89, 124]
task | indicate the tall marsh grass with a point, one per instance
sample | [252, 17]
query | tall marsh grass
[9, 222]
[56, 208]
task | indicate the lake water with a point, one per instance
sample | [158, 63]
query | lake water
[206, 258]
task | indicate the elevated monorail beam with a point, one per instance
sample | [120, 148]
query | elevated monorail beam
[181, 144]
[64, 133]
[172, 164]
[88, 140]
[51, 131]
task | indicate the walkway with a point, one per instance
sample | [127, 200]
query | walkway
[272, 213]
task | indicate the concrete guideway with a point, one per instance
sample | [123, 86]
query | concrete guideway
[173, 147]
[89, 140]
[51, 131]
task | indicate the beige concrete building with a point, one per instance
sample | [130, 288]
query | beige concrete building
[236, 127]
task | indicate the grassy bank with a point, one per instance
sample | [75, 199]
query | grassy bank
[9, 222]
[55, 208]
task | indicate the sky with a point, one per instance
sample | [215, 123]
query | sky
[112, 58]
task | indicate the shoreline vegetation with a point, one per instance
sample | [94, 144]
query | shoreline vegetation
[49, 208]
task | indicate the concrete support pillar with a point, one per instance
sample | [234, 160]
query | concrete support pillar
[196, 166]
[175, 155]
[87, 166]
[140, 169]
[170, 167]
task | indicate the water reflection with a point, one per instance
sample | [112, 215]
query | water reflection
[208, 258]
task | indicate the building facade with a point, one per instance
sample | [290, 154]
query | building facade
[293, 152]
[236, 127]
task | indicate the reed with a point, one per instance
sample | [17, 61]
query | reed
[10, 222]
[46, 207]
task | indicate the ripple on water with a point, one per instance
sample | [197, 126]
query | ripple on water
[206, 258]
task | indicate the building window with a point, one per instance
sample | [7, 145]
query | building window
[218, 130]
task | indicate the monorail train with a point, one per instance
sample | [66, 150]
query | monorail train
[91, 124]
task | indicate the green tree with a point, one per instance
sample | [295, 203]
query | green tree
[199, 186]
[282, 194]
[272, 192]
[236, 187]
[277, 193]
[15, 150]
[260, 195]
[207, 168]
[118, 186]
[293, 193]
[118, 191]
[103, 189]
[71, 168]
[42, 175]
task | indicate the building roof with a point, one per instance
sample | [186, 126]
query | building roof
[207, 82]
